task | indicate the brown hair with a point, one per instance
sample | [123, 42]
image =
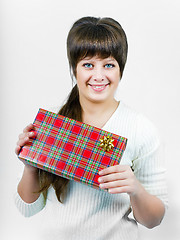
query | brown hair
[89, 36]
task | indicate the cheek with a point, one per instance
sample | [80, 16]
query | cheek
[82, 77]
[118, 74]
[79, 79]
[81, 83]
[115, 77]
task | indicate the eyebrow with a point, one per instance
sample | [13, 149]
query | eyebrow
[107, 59]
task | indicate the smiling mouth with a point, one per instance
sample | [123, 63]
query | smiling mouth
[98, 87]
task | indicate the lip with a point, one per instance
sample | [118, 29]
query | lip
[98, 87]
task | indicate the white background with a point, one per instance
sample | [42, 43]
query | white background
[34, 73]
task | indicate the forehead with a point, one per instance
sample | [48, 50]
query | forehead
[98, 58]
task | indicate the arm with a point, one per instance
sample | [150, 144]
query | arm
[28, 187]
[147, 209]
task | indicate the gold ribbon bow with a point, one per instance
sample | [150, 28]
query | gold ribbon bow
[107, 143]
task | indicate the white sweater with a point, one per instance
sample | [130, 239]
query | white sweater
[90, 214]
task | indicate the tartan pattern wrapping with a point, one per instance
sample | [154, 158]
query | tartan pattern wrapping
[70, 149]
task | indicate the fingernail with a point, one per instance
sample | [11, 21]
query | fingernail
[99, 179]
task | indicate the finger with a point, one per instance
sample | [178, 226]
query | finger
[25, 138]
[20, 144]
[23, 141]
[124, 189]
[17, 150]
[112, 177]
[23, 135]
[114, 184]
[113, 169]
[27, 134]
[28, 128]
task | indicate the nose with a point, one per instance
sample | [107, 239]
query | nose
[98, 74]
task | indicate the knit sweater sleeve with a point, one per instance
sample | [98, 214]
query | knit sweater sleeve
[149, 164]
[29, 209]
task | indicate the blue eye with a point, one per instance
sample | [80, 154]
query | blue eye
[109, 65]
[87, 65]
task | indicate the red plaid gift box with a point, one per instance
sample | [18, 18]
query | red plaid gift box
[72, 149]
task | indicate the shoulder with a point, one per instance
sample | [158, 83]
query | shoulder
[141, 132]
[147, 137]
[126, 111]
[142, 125]
[147, 133]
[131, 120]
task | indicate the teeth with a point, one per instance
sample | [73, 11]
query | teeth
[98, 87]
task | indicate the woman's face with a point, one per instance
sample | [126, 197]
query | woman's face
[97, 79]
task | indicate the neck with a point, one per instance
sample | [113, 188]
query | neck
[97, 113]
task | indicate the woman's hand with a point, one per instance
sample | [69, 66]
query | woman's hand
[119, 179]
[28, 187]
[147, 209]
[24, 138]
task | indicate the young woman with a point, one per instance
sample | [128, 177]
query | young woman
[97, 52]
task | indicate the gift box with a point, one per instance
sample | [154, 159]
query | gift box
[72, 149]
